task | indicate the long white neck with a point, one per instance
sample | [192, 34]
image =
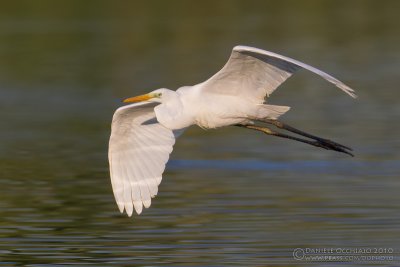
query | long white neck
[171, 112]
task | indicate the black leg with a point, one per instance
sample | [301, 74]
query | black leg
[318, 142]
[289, 128]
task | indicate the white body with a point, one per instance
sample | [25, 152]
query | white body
[143, 134]
[188, 106]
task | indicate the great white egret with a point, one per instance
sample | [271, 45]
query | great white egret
[144, 133]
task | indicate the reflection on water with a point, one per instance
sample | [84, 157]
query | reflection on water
[229, 196]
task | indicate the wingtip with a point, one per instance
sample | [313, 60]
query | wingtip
[121, 206]
[138, 207]
[129, 212]
[352, 93]
[348, 90]
[147, 203]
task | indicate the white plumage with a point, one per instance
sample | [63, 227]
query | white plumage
[143, 134]
[138, 151]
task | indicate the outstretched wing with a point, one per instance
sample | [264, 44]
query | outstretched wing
[139, 148]
[253, 74]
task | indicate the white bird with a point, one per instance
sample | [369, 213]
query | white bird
[143, 134]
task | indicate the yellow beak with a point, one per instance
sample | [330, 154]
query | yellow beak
[138, 98]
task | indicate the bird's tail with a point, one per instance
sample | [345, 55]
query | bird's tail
[271, 111]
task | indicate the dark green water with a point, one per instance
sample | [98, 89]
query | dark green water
[229, 197]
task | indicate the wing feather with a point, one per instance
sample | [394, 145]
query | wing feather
[253, 74]
[139, 148]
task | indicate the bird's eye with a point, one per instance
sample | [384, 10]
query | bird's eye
[159, 94]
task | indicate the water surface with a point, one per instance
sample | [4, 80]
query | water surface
[229, 197]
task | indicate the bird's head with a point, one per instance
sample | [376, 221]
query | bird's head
[154, 96]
